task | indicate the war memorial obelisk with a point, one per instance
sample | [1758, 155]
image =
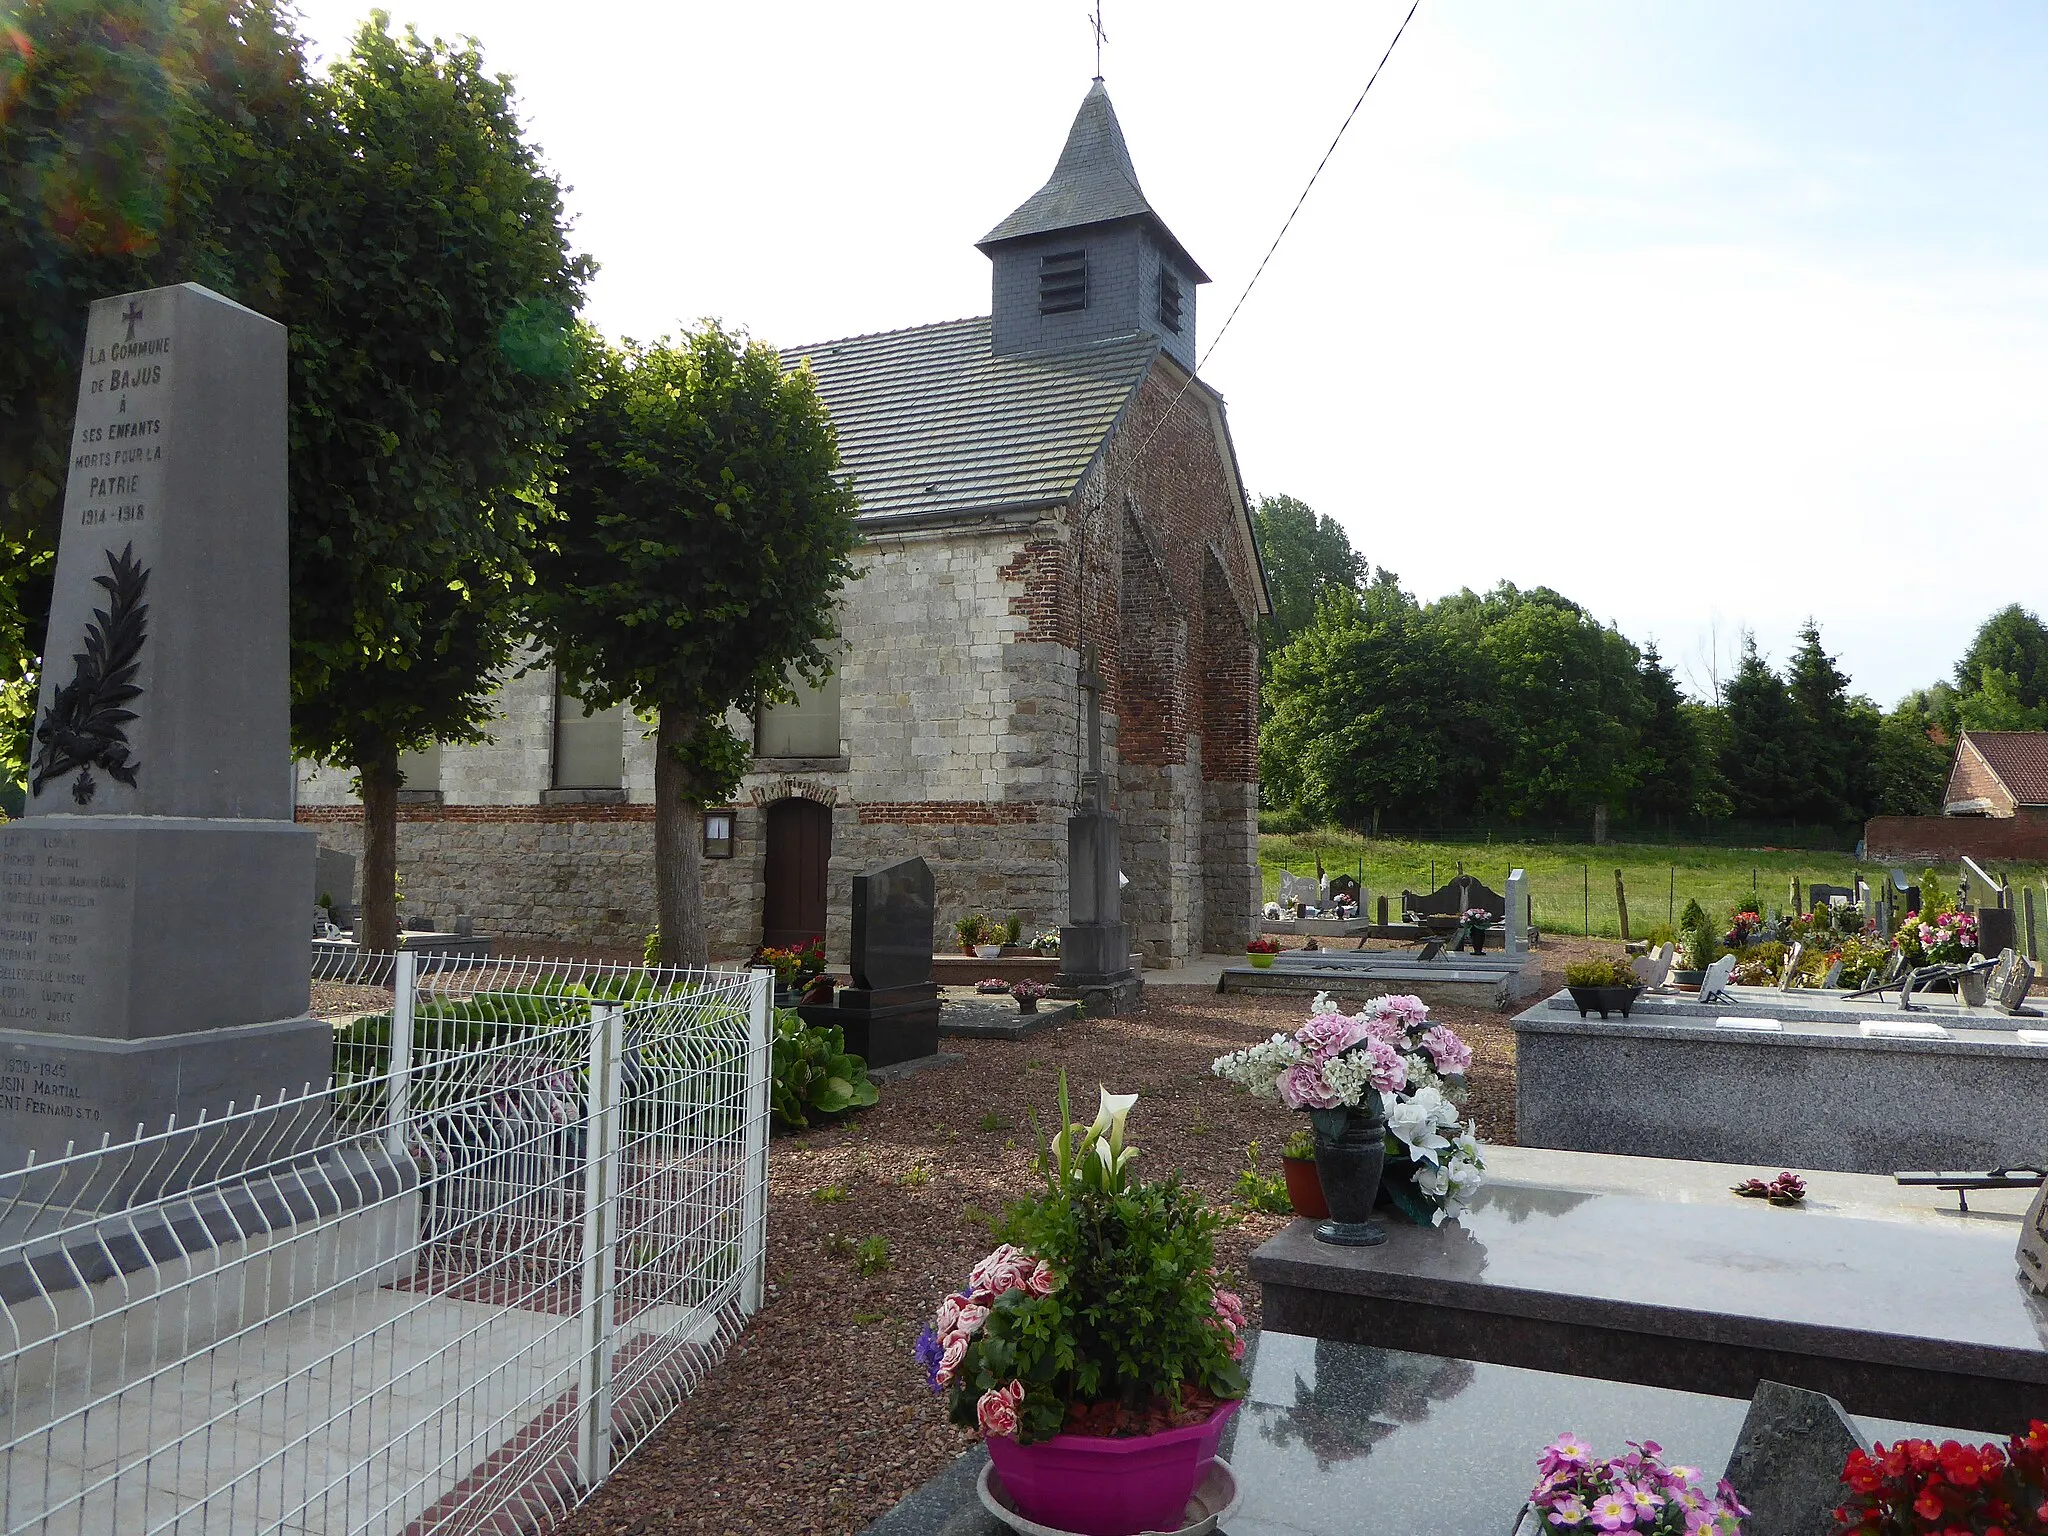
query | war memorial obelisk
[153, 899]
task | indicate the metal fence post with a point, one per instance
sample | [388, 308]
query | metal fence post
[760, 1069]
[404, 990]
[600, 1216]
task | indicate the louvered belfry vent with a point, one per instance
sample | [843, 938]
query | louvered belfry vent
[1062, 282]
[1169, 299]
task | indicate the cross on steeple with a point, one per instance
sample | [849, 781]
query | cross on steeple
[1101, 37]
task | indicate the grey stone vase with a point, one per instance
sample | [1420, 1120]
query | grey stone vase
[1351, 1148]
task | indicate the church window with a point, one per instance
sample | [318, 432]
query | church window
[590, 745]
[1169, 299]
[806, 726]
[420, 771]
[1062, 282]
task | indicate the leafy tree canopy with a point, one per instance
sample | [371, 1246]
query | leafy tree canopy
[1305, 555]
[2014, 642]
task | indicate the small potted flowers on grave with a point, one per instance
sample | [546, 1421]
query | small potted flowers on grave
[992, 986]
[1602, 984]
[1260, 952]
[1304, 1184]
[1095, 1349]
[1028, 992]
[1916, 1488]
[1383, 1090]
[1635, 1492]
[1474, 924]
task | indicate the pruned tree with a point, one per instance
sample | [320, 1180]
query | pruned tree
[705, 531]
[430, 292]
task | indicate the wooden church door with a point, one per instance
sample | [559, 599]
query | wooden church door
[799, 852]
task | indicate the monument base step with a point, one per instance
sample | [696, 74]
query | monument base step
[1117, 993]
[998, 1019]
[1448, 987]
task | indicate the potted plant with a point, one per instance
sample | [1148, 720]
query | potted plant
[1304, 1184]
[1260, 952]
[1382, 1088]
[979, 936]
[1915, 1488]
[1635, 1492]
[793, 965]
[1697, 949]
[1095, 1349]
[1028, 992]
[1602, 984]
[1048, 942]
[992, 986]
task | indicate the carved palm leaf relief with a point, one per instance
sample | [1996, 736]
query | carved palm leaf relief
[85, 726]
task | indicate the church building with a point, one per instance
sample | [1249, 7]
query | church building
[1038, 486]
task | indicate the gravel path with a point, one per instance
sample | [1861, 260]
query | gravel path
[819, 1419]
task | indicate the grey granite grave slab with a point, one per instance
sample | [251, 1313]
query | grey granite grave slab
[1905, 1314]
[1670, 1081]
[1339, 1439]
[1788, 1460]
[153, 900]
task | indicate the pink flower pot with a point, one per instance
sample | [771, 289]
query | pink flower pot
[1100, 1485]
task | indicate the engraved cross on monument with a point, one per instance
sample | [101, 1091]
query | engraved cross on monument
[153, 955]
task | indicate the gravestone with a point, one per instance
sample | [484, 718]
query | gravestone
[1715, 983]
[1095, 948]
[334, 874]
[2033, 1251]
[1515, 912]
[1997, 929]
[891, 1012]
[1824, 895]
[1788, 1460]
[153, 898]
[2010, 981]
[1346, 887]
[1790, 971]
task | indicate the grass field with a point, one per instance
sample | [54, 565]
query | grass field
[1572, 885]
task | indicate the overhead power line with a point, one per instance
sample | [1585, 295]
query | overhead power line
[1288, 224]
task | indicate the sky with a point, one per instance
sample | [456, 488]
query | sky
[1714, 315]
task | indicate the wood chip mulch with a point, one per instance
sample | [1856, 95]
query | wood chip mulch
[819, 1419]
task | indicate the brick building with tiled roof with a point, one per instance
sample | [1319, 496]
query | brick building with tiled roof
[1999, 773]
[1045, 477]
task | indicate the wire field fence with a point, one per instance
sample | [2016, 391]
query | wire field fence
[445, 1291]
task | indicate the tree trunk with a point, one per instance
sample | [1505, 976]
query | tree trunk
[678, 845]
[377, 928]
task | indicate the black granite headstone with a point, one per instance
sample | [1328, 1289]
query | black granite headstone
[1788, 1460]
[1997, 928]
[892, 926]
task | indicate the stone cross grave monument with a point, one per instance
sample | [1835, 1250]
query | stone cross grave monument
[1095, 947]
[153, 949]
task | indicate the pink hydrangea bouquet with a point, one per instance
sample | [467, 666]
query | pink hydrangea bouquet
[1949, 939]
[1389, 1048]
[1576, 1492]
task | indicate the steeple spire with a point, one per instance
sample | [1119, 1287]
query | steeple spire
[1093, 183]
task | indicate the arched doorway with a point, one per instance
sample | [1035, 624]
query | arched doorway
[799, 851]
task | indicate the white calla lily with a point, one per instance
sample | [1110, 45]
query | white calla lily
[1110, 1118]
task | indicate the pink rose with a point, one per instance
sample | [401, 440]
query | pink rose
[1230, 1307]
[1302, 1086]
[1042, 1280]
[971, 1319]
[1236, 1347]
[996, 1413]
[948, 1320]
[949, 1361]
[1004, 1270]
[1453, 1057]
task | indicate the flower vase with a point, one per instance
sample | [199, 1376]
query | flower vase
[1027, 1005]
[1974, 991]
[1351, 1149]
[1478, 941]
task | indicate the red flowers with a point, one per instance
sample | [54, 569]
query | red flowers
[1916, 1488]
[1786, 1189]
[1262, 946]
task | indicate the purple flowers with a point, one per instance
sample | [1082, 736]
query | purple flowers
[928, 1355]
[1328, 1033]
[1634, 1492]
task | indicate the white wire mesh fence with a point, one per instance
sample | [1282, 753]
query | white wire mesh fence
[444, 1292]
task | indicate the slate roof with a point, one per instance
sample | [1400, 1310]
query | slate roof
[929, 421]
[2019, 758]
[1094, 183]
